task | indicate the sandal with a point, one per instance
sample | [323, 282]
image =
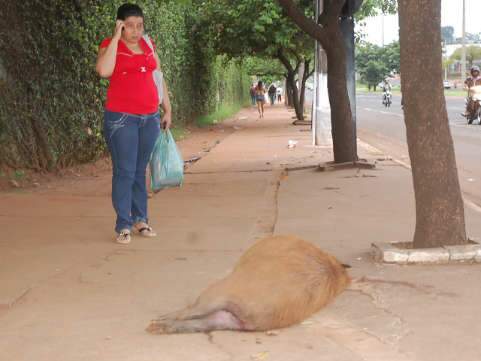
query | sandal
[145, 230]
[123, 237]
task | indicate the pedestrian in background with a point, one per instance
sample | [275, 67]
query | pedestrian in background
[252, 92]
[260, 98]
[279, 94]
[272, 93]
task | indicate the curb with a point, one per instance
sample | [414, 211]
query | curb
[398, 253]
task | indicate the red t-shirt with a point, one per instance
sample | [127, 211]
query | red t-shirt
[132, 88]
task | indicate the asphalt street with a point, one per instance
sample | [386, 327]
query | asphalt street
[384, 129]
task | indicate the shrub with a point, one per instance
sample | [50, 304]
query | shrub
[52, 100]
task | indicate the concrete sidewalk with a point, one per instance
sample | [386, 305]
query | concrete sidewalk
[68, 293]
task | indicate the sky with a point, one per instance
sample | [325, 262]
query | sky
[451, 14]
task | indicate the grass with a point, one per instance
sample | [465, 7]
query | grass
[178, 133]
[19, 174]
[455, 92]
[224, 112]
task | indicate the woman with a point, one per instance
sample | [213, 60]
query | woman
[260, 98]
[131, 117]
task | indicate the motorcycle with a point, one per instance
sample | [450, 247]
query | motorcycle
[387, 99]
[473, 105]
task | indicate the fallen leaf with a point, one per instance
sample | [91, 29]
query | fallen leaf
[260, 356]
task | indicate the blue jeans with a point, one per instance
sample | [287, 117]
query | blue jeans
[130, 139]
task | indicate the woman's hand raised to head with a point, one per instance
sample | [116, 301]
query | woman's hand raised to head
[119, 26]
[106, 57]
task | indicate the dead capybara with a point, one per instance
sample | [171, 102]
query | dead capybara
[278, 282]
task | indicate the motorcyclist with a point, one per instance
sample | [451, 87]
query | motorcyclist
[474, 79]
[386, 88]
[470, 85]
[386, 85]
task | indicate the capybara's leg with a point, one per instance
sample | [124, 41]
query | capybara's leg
[201, 308]
[217, 320]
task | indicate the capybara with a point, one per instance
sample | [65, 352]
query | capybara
[279, 281]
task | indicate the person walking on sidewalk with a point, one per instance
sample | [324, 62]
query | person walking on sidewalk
[272, 93]
[131, 117]
[279, 94]
[252, 92]
[260, 98]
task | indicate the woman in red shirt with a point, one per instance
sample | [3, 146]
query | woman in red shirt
[131, 117]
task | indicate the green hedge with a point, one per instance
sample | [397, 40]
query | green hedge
[52, 99]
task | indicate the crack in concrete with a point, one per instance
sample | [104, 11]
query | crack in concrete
[233, 171]
[6, 306]
[398, 321]
[269, 210]
[425, 289]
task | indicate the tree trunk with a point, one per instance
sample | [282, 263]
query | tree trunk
[439, 204]
[295, 95]
[293, 92]
[341, 116]
[45, 156]
[330, 37]
[288, 94]
[305, 76]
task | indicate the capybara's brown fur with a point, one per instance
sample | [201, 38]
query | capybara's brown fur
[279, 281]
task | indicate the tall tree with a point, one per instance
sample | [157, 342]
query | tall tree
[327, 31]
[241, 28]
[374, 63]
[373, 73]
[439, 204]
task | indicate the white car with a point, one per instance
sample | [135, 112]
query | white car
[447, 84]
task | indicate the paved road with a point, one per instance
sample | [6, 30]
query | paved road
[384, 129]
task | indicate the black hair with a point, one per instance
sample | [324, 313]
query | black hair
[126, 10]
[259, 84]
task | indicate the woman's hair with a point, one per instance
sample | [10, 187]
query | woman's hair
[259, 84]
[126, 10]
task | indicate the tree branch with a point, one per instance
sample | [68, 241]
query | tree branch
[298, 59]
[283, 59]
[303, 22]
[270, 73]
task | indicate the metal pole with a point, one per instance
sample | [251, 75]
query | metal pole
[322, 132]
[463, 54]
[316, 116]
[382, 30]
[315, 94]
[347, 28]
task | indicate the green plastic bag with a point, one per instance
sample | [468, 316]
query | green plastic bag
[166, 164]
